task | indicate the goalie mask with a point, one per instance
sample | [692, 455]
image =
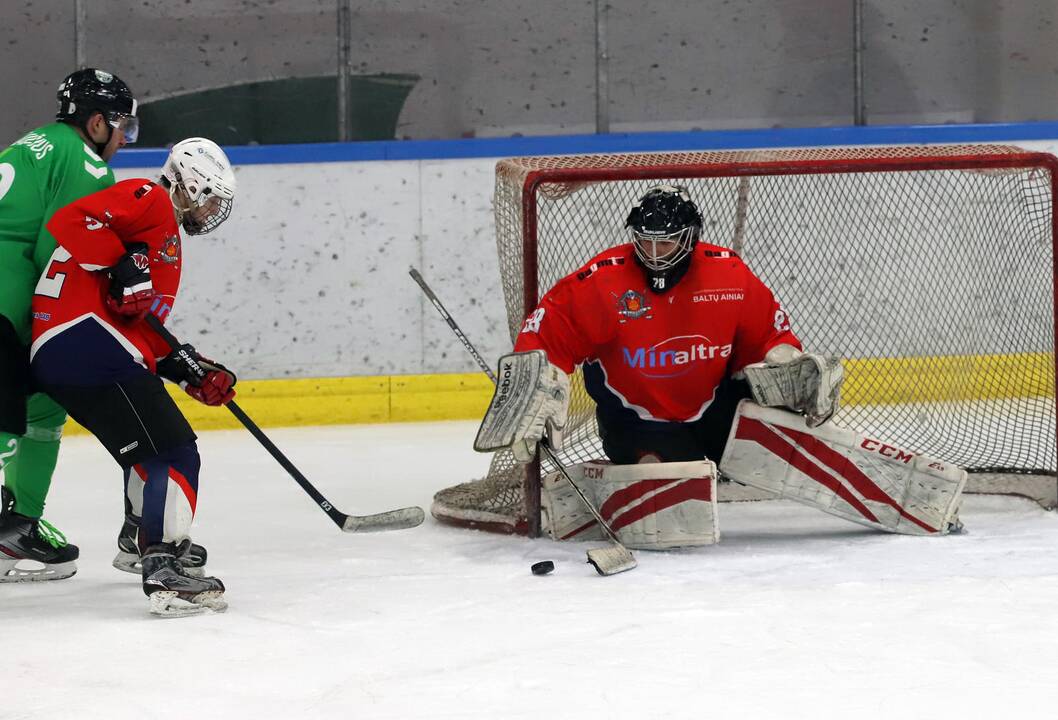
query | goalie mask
[201, 184]
[665, 227]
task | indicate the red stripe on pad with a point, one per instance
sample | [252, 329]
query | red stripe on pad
[689, 489]
[183, 484]
[630, 494]
[848, 470]
[579, 530]
[765, 436]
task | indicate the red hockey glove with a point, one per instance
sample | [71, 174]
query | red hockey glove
[215, 388]
[131, 292]
[207, 381]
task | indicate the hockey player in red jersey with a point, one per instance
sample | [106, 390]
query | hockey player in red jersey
[119, 257]
[663, 325]
[673, 334]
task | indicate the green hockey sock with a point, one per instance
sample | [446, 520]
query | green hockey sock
[28, 471]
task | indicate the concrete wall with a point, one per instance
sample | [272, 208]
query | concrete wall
[506, 67]
[309, 276]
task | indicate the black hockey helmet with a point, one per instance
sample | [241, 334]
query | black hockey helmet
[89, 91]
[665, 227]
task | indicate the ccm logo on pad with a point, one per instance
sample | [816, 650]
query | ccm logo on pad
[887, 450]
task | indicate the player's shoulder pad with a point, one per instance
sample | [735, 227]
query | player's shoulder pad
[717, 252]
[144, 187]
[607, 259]
[138, 189]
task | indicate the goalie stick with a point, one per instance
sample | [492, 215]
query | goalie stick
[610, 560]
[401, 519]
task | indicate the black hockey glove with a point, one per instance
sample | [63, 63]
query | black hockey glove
[131, 292]
[207, 381]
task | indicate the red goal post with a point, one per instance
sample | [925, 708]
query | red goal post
[929, 269]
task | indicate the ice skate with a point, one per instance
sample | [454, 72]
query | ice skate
[30, 548]
[192, 557]
[174, 593]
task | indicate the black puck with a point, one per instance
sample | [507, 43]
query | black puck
[543, 567]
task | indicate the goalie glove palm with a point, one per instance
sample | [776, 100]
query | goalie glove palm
[531, 402]
[804, 382]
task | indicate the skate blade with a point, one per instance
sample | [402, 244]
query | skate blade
[167, 603]
[127, 562]
[34, 571]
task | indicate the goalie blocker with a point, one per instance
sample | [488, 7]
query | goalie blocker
[842, 472]
[531, 401]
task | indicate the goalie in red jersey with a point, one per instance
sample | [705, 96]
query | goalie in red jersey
[118, 258]
[673, 334]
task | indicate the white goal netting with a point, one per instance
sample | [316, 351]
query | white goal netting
[930, 269]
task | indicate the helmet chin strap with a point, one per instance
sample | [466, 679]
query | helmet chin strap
[178, 207]
[183, 212]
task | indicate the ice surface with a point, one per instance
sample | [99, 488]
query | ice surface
[794, 615]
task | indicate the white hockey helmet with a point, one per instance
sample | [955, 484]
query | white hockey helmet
[200, 169]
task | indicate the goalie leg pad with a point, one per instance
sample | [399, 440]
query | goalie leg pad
[843, 472]
[650, 506]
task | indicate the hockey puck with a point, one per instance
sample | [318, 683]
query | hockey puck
[543, 567]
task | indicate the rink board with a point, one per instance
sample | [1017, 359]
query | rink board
[412, 398]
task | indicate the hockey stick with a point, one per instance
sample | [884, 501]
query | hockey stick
[400, 519]
[609, 560]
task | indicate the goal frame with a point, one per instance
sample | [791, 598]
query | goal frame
[535, 178]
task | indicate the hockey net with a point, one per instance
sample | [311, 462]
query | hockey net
[928, 269]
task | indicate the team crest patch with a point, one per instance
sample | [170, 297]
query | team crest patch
[632, 305]
[170, 251]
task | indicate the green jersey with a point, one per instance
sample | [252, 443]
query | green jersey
[40, 173]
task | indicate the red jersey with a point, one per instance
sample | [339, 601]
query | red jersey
[661, 355]
[92, 234]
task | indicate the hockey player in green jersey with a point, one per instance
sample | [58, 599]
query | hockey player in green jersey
[46, 169]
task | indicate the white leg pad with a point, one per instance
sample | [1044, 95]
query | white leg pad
[176, 523]
[134, 490]
[650, 506]
[842, 472]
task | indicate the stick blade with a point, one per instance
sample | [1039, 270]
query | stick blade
[402, 519]
[611, 559]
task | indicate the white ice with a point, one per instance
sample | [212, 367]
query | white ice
[794, 615]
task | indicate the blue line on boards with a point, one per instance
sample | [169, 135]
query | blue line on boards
[610, 143]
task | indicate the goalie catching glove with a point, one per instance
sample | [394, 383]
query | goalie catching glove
[804, 382]
[531, 402]
[207, 381]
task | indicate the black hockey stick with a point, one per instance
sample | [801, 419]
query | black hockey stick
[609, 560]
[400, 519]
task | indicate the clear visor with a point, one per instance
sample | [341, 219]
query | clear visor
[206, 215]
[661, 252]
[127, 124]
